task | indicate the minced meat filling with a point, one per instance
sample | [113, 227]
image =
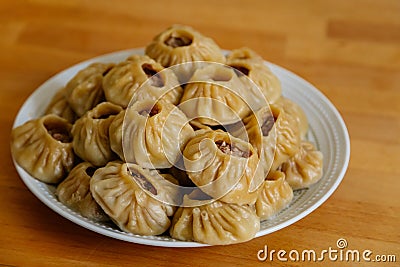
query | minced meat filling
[267, 125]
[153, 75]
[178, 41]
[144, 183]
[61, 135]
[232, 149]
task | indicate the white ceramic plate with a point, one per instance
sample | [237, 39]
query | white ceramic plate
[327, 131]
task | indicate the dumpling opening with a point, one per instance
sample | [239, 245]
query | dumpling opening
[218, 127]
[231, 149]
[197, 125]
[267, 125]
[151, 112]
[222, 75]
[155, 78]
[90, 171]
[144, 183]
[179, 38]
[275, 112]
[275, 176]
[105, 113]
[241, 69]
[108, 69]
[243, 56]
[181, 175]
[58, 131]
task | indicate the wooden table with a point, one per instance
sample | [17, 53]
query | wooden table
[349, 49]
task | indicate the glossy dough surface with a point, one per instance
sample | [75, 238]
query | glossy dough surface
[59, 106]
[142, 77]
[275, 194]
[85, 91]
[75, 193]
[91, 141]
[216, 223]
[226, 165]
[154, 134]
[260, 75]
[295, 111]
[213, 96]
[127, 204]
[43, 148]
[304, 168]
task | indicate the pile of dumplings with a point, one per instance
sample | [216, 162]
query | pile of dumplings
[78, 144]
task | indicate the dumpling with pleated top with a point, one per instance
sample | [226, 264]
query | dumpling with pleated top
[304, 168]
[84, 91]
[180, 44]
[215, 223]
[91, 134]
[127, 193]
[74, 192]
[244, 53]
[152, 134]
[287, 132]
[43, 148]
[280, 135]
[59, 106]
[142, 77]
[275, 195]
[259, 130]
[294, 110]
[215, 95]
[223, 166]
[253, 70]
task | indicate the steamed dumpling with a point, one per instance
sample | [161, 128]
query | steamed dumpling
[261, 75]
[91, 141]
[287, 136]
[215, 223]
[280, 135]
[225, 167]
[74, 192]
[275, 195]
[244, 53]
[123, 81]
[84, 91]
[214, 96]
[304, 168]
[179, 44]
[154, 134]
[60, 107]
[259, 130]
[294, 110]
[132, 207]
[43, 148]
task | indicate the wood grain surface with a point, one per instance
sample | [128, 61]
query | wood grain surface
[349, 49]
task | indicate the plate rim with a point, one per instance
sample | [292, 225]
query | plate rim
[29, 180]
